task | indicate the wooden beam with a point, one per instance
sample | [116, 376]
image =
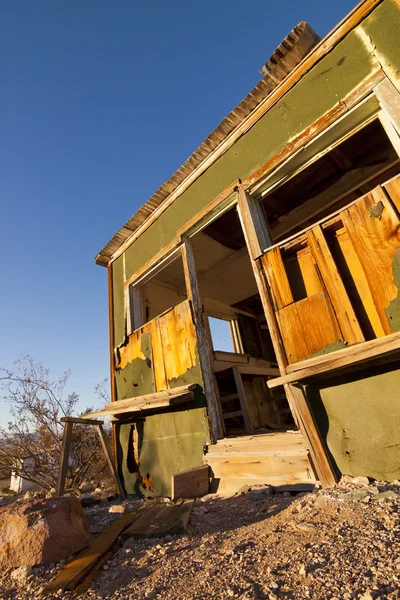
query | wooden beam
[258, 234]
[143, 404]
[243, 401]
[63, 466]
[192, 483]
[114, 472]
[80, 420]
[389, 99]
[113, 385]
[205, 351]
[346, 359]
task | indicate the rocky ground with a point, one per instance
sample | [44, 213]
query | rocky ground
[341, 543]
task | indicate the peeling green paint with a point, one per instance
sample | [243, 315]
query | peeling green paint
[358, 416]
[118, 301]
[169, 442]
[136, 379]
[338, 345]
[393, 310]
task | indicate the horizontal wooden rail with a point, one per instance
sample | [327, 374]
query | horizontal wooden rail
[354, 357]
[161, 399]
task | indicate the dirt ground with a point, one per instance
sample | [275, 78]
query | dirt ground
[341, 543]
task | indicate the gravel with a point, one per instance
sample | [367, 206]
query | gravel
[335, 544]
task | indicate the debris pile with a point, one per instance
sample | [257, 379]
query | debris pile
[336, 544]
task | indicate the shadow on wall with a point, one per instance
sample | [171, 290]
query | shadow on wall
[358, 415]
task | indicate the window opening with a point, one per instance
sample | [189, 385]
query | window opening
[157, 294]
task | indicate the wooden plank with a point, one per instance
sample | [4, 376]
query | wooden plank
[337, 293]
[242, 399]
[389, 99]
[277, 277]
[258, 231]
[114, 471]
[368, 352]
[156, 396]
[138, 406]
[376, 241]
[80, 421]
[160, 378]
[64, 457]
[357, 274]
[161, 520]
[392, 188]
[354, 358]
[192, 483]
[113, 385]
[255, 370]
[231, 357]
[205, 351]
[76, 570]
[312, 281]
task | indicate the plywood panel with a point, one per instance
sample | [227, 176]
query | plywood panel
[308, 326]
[178, 338]
[374, 230]
[343, 309]
[276, 274]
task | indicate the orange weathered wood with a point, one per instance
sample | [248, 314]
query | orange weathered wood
[374, 229]
[351, 331]
[307, 326]
[276, 273]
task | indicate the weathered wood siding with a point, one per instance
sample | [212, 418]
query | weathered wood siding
[160, 355]
[338, 283]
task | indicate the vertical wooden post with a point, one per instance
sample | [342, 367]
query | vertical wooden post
[114, 472]
[258, 238]
[112, 359]
[65, 448]
[203, 344]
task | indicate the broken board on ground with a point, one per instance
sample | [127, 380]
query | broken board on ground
[161, 520]
[154, 519]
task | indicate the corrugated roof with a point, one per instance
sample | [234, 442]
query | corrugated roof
[288, 55]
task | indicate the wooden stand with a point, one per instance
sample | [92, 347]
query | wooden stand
[66, 446]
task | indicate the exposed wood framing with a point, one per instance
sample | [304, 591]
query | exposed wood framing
[297, 401]
[113, 386]
[66, 447]
[389, 99]
[333, 38]
[202, 339]
[353, 358]
[63, 466]
[258, 235]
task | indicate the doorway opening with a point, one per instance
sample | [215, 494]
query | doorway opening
[243, 357]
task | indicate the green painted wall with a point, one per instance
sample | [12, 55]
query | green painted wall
[335, 76]
[383, 26]
[169, 443]
[359, 416]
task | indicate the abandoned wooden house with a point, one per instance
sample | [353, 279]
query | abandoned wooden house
[283, 227]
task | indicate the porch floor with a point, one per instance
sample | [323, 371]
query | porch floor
[278, 458]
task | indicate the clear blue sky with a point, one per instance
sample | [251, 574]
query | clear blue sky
[101, 101]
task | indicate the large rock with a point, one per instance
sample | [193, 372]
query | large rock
[44, 531]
